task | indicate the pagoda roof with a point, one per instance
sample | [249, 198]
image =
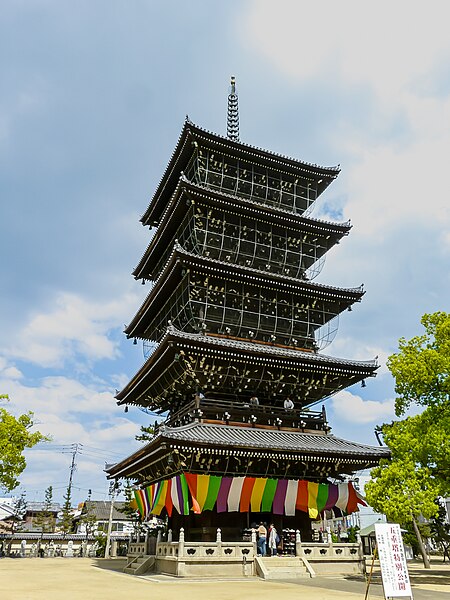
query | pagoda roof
[166, 357]
[191, 134]
[170, 276]
[245, 437]
[176, 209]
[231, 440]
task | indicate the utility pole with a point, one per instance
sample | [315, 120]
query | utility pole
[113, 487]
[72, 466]
[67, 508]
[74, 450]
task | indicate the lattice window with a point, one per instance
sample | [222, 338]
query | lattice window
[261, 184]
[212, 305]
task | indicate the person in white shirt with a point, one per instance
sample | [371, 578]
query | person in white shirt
[273, 540]
[254, 401]
[288, 404]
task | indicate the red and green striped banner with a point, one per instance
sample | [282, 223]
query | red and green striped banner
[189, 491]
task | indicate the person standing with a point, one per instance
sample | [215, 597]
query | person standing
[262, 538]
[288, 404]
[273, 540]
[254, 401]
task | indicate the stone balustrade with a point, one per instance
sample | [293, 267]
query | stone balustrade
[137, 549]
[205, 550]
[237, 559]
[311, 550]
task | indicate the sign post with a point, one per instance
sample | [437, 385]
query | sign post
[394, 571]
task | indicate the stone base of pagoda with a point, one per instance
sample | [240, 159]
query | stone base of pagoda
[239, 559]
[201, 559]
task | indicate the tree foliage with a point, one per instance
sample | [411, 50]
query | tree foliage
[421, 368]
[15, 436]
[45, 519]
[147, 433]
[440, 531]
[20, 509]
[66, 523]
[419, 471]
[400, 488]
[87, 517]
[129, 508]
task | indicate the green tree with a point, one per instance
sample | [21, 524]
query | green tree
[408, 485]
[401, 488]
[15, 436]
[45, 519]
[421, 368]
[147, 433]
[129, 508]
[66, 523]
[88, 519]
[440, 530]
[20, 508]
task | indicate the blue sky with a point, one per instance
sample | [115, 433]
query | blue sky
[93, 97]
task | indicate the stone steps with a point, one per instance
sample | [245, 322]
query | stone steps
[142, 564]
[281, 567]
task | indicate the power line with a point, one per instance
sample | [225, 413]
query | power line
[82, 449]
[101, 450]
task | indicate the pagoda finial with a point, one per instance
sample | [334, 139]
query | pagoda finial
[233, 113]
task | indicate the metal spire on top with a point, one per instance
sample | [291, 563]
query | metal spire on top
[233, 113]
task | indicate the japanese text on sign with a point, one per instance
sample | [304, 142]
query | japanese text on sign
[394, 571]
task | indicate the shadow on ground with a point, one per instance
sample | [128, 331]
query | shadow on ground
[439, 574]
[110, 564]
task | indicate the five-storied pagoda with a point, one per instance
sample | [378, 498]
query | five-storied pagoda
[238, 323]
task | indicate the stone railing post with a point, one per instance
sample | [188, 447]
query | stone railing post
[158, 536]
[298, 543]
[181, 543]
[219, 541]
[254, 542]
[360, 546]
[169, 536]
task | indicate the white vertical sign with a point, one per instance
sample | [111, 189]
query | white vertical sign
[394, 570]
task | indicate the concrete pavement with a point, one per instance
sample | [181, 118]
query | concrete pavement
[100, 579]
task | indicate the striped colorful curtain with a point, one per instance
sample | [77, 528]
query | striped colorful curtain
[189, 491]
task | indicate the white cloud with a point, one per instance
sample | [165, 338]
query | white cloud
[387, 46]
[72, 326]
[357, 349]
[392, 180]
[57, 395]
[71, 413]
[357, 410]
[12, 373]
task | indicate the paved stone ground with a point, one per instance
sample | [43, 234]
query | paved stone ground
[100, 579]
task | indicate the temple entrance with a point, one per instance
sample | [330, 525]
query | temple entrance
[237, 526]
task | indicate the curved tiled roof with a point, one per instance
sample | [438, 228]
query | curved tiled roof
[268, 439]
[252, 203]
[239, 272]
[274, 351]
[181, 153]
[330, 171]
[260, 211]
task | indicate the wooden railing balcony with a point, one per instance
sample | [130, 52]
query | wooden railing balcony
[243, 414]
